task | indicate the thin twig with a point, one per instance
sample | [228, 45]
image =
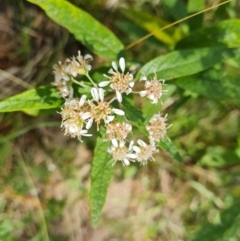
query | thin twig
[172, 24]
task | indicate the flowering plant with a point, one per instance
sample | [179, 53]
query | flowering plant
[79, 114]
[106, 105]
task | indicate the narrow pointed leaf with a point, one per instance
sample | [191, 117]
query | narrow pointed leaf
[89, 31]
[182, 63]
[44, 97]
[100, 178]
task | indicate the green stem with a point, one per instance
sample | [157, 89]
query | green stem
[91, 80]
[78, 83]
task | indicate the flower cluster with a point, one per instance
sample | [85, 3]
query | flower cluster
[79, 114]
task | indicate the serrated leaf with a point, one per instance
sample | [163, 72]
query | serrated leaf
[137, 119]
[100, 178]
[229, 222]
[225, 33]
[182, 63]
[214, 84]
[44, 97]
[89, 31]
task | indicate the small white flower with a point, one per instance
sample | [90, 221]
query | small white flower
[118, 130]
[153, 89]
[157, 127]
[120, 82]
[120, 152]
[144, 152]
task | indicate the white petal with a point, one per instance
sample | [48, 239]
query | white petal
[141, 143]
[82, 100]
[86, 134]
[89, 123]
[132, 156]
[122, 64]
[101, 94]
[85, 115]
[109, 118]
[118, 111]
[143, 78]
[94, 93]
[128, 91]
[83, 132]
[89, 67]
[131, 84]
[88, 57]
[103, 83]
[151, 97]
[122, 143]
[131, 145]
[137, 149]
[114, 65]
[143, 93]
[106, 75]
[119, 96]
[114, 142]
[147, 84]
[65, 77]
[126, 162]
[73, 128]
[111, 71]
[128, 127]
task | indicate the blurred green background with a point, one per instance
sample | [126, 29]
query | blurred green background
[45, 176]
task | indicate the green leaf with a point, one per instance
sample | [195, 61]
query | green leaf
[44, 97]
[182, 63]
[167, 145]
[195, 6]
[137, 119]
[135, 116]
[100, 178]
[83, 26]
[176, 8]
[214, 84]
[228, 228]
[152, 24]
[225, 33]
[218, 156]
